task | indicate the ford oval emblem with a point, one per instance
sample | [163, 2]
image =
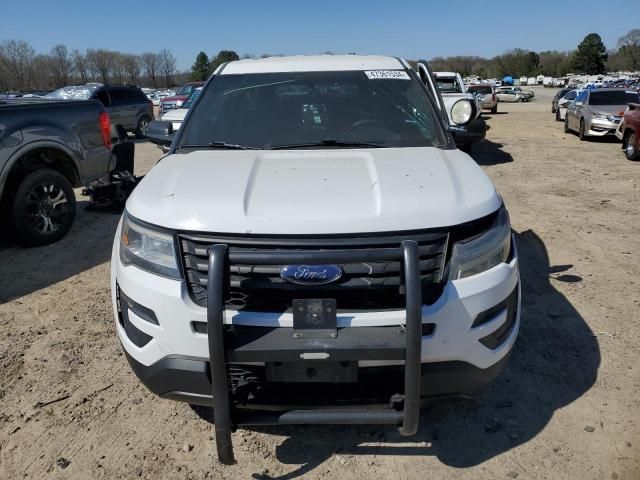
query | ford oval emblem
[311, 274]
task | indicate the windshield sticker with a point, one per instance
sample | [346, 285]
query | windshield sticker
[387, 74]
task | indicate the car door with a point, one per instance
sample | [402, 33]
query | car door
[122, 108]
[577, 109]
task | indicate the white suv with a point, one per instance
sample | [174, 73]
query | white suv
[315, 239]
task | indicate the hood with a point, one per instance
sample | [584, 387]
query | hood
[174, 98]
[313, 191]
[175, 114]
[608, 109]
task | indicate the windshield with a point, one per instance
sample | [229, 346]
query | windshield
[185, 90]
[448, 85]
[192, 98]
[80, 92]
[314, 109]
[620, 97]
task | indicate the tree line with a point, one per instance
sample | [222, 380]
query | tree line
[590, 57]
[22, 69]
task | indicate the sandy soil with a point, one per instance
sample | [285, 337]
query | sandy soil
[568, 405]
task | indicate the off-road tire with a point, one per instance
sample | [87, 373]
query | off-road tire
[43, 208]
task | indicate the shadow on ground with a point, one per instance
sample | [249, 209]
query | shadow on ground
[88, 244]
[555, 361]
[490, 153]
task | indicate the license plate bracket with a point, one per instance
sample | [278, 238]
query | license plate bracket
[315, 318]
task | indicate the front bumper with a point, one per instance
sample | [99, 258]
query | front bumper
[176, 334]
[600, 128]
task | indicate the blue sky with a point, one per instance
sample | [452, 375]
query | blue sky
[411, 28]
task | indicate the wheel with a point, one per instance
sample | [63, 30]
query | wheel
[553, 109]
[566, 124]
[141, 129]
[43, 208]
[581, 132]
[494, 109]
[558, 119]
[630, 150]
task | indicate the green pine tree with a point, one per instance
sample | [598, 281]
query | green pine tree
[223, 57]
[590, 55]
[200, 69]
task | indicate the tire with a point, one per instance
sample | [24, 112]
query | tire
[141, 128]
[630, 150]
[43, 208]
[553, 109]
[558, 119]
[581, 132]
[494, 109]
[566, 124]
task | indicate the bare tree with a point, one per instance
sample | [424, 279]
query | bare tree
[80, 66]
[167, 65]
[17, 58]
[629, 47]
[102, 62]
[43, 73]
[61, 65]
[131, 64]
[151, 64]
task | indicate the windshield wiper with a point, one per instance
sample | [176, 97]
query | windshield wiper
[328, 143]
[222, 145]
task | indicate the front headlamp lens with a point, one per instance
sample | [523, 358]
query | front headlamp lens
[483, 252]
[147, 248]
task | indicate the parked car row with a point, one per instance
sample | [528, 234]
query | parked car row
[600, 112]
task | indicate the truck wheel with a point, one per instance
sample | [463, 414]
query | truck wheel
[581, 133]
[43, 208]
[630, 150]
[494, 109]
[141, 129]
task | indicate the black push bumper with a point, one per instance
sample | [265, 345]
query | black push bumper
[474, 132]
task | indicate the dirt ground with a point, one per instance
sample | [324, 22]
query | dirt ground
[567, 406]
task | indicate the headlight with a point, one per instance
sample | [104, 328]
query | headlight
[461, 112]
[599, 116]
[147, 248]
[484, 251]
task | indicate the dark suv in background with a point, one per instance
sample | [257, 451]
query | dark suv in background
[127, 105]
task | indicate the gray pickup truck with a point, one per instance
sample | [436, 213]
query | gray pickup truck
[47, 149]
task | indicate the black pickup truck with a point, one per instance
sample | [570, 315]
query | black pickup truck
[46, 149]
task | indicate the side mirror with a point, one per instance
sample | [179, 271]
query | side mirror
[161, 133]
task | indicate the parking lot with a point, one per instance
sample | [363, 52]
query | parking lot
[566, 407]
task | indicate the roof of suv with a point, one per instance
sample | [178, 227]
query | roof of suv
[314, 63]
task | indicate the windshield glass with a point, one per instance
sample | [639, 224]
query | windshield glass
[620, 97]
[314, 109]
[192, 98]
[80, 92]
[448, 85]
[185, 90]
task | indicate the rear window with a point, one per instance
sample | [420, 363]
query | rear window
[484, 89]
[621, 97]
[448, 85]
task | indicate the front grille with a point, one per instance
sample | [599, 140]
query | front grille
[363, 285]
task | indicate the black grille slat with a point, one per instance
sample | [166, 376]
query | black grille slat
[363, 285]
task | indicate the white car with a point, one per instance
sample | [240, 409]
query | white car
[564, 102]
[176, 116]
[315, 238]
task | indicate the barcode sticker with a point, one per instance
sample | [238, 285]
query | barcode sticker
[387, 74]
